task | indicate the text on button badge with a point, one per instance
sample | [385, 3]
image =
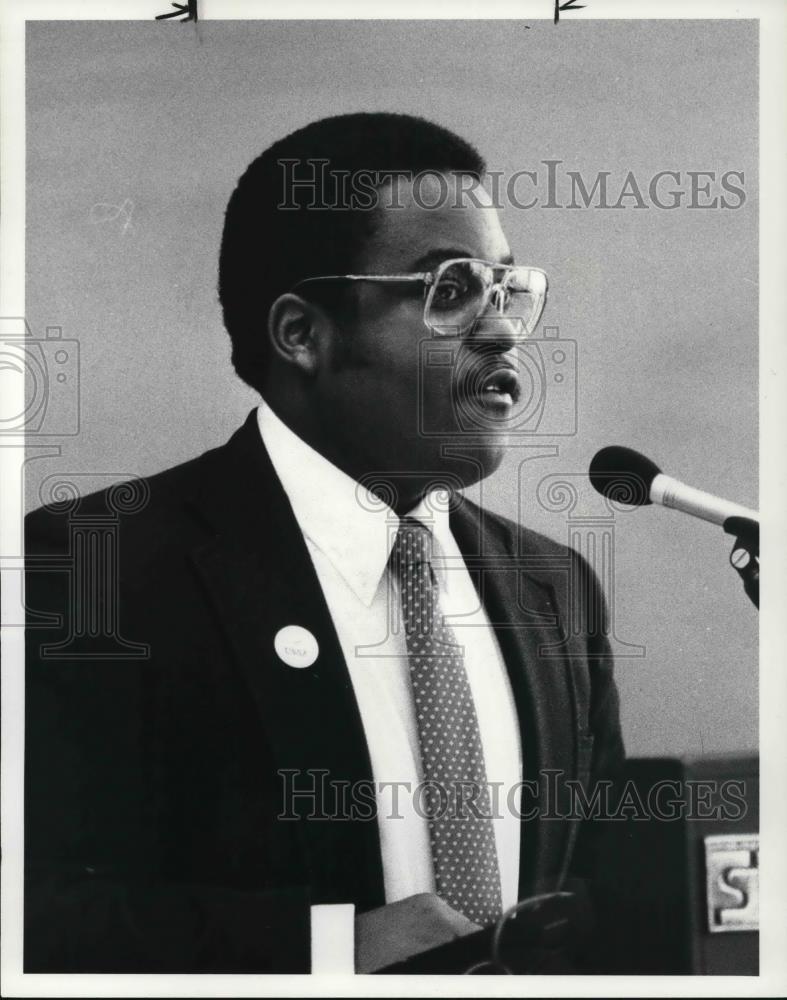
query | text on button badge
[296, 646]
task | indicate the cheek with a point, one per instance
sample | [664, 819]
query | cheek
[401, 366]
[393, 329]
[397, 353]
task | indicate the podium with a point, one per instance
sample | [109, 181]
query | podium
[675, 892]
[679, 894]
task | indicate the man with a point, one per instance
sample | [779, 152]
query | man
[314, 607]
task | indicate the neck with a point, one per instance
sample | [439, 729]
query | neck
[400, 492]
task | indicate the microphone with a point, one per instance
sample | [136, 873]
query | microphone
[626, 476]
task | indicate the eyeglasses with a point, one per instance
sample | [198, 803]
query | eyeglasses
[460, 291]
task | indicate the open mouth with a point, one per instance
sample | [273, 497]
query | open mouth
[497, 387]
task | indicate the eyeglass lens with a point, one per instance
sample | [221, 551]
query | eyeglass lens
[463, 291]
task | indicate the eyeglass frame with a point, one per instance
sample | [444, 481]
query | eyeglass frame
[430, 280]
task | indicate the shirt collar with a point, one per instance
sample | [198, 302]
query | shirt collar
[353, 528]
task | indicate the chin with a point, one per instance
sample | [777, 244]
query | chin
[491, 456]
[470, 460]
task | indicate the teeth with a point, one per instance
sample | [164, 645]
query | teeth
[500, 384]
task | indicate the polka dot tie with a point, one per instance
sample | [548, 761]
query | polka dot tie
[456, 797]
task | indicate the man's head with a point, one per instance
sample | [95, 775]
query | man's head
[345, 363]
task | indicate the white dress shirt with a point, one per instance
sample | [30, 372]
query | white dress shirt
[349, 534]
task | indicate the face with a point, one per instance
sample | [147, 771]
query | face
[389, 402]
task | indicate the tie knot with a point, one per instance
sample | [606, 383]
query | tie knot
[412, 547]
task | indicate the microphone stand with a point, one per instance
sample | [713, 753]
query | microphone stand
[745, 555]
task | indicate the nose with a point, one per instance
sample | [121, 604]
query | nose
[498, 299]
[496, 330]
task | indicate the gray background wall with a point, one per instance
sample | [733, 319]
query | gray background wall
[159, 122]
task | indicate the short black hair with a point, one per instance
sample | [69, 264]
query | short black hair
[266, 249]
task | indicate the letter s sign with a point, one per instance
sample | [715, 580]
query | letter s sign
[733, 882]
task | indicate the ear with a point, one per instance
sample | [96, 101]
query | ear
[294, 331]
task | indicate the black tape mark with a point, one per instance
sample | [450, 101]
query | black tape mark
[567, 5]
[184, 11]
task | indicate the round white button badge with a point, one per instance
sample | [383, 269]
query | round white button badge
[296, 646]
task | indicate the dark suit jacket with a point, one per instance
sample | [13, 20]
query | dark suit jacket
[158, 717]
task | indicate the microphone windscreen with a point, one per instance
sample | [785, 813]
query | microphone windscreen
[623, 475]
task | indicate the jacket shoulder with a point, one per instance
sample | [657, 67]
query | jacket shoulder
[572, 580]
[150, 499]
[518, 538]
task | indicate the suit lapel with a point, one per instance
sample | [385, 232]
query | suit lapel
[261, 578]
[522, 609]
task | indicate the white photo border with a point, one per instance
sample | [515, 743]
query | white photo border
[772, 17]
